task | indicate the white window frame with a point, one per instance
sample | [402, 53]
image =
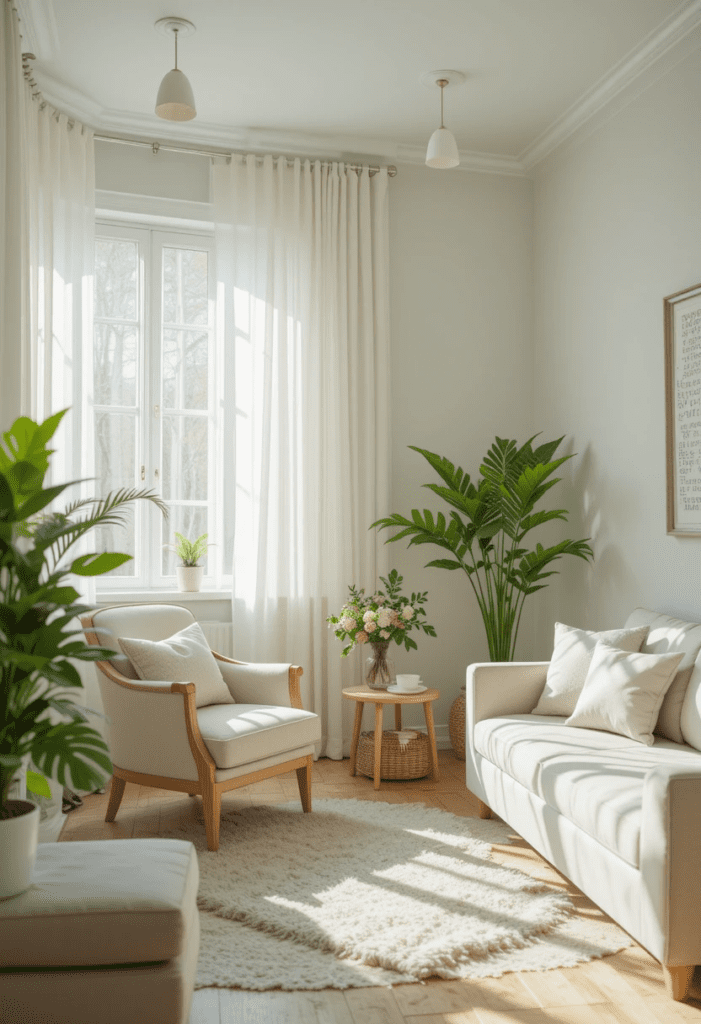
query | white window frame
[152, 240]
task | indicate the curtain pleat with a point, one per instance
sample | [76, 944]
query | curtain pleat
[303, 296]
[15, 387]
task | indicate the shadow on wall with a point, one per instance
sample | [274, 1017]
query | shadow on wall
[592, 595]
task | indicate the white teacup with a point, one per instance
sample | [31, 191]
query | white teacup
[408, 682]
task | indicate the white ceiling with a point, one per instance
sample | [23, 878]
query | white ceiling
[344, 75]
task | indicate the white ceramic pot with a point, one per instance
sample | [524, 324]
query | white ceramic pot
[18, 848]
[189, 577]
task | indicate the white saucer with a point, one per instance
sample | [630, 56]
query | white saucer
[407, 693]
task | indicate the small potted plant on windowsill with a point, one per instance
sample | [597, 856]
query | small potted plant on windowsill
[189, 572]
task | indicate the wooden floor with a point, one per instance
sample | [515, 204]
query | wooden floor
[626, 988]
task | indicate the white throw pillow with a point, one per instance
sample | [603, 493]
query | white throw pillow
[184, 657]
[623, 692]
[572, 654]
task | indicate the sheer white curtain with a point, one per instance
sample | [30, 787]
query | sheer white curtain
[14, 352]
[60, 196]
[61, 199]
[303, 287]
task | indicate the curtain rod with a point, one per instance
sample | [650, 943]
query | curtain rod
[156, 146]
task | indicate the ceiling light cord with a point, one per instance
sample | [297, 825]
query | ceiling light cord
[443, 82]
[175, 33]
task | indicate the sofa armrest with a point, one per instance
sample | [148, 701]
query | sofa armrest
[261, 683]
[503, 688]
[670, 862]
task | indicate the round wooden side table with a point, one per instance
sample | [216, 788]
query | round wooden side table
[363, 695]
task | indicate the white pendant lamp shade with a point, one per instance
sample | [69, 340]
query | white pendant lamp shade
[442, 151]
[175, 100]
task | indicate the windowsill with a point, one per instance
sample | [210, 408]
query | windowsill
[136, 596]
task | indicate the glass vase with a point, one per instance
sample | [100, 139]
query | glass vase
[379, 669]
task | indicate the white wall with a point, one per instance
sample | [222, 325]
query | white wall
[460, 277]
[617, 226]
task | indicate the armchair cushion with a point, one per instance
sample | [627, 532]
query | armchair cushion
[182, 658]
[244, 733]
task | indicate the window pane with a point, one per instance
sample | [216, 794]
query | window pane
[116, 278]
[114, 362]
[185, 457]
[185, 369]
[189, 520]
[115, 467]
[185, 288]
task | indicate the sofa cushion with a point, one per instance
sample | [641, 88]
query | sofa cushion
[623, 692]
[184, 657]
[240, 733]
[669, 635]
[122, 901]
[595, 779]
[572, 653]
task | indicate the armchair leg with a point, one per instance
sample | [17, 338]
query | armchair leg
[211, 806]
[304, 781]
[116, 794]
[677, 981]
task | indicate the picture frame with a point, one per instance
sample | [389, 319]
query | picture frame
[682, 342]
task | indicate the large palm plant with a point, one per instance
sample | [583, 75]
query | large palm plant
[486, 528]
[38, 612]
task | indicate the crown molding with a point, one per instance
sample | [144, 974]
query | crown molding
[652, 57]
[253, 140]
[636, 67]
[39, 30]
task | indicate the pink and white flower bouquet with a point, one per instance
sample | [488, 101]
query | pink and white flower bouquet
[382, 617]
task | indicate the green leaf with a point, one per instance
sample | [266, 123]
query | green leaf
[72, 752]
[36, 783]
[98, 564]
[444, 563]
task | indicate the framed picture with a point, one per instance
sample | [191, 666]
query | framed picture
[682, 343]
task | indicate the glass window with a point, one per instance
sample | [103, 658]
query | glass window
[159, 418]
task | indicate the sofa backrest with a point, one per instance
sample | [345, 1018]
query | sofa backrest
[680, 714]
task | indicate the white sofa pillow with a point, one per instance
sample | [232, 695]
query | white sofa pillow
[184, 657]
[623, 692]
[572, 654]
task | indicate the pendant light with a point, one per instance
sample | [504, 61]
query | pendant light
[442, 151]
[175, 101]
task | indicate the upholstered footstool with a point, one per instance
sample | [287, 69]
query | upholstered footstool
[108, 933]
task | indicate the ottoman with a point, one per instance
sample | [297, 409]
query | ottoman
[108, 933]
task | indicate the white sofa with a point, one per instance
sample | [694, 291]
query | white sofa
[620, 819]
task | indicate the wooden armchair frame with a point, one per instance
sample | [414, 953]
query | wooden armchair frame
[206, 785]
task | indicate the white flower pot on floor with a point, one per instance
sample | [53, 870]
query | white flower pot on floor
[18, 848]
[189, 577]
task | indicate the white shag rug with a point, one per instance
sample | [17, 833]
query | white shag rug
[369, 893]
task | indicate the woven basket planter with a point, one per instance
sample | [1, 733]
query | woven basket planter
[456, 726]
[410, 761]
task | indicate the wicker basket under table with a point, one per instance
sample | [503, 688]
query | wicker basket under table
[410, 760]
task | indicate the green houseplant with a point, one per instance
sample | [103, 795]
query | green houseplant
[189, 572]
[486, 530]
[39, 632]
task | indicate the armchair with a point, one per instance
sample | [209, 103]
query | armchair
[159, 737]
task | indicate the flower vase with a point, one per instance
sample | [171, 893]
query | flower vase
[379, 669]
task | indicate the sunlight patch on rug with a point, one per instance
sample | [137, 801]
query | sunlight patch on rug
[370, 893]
